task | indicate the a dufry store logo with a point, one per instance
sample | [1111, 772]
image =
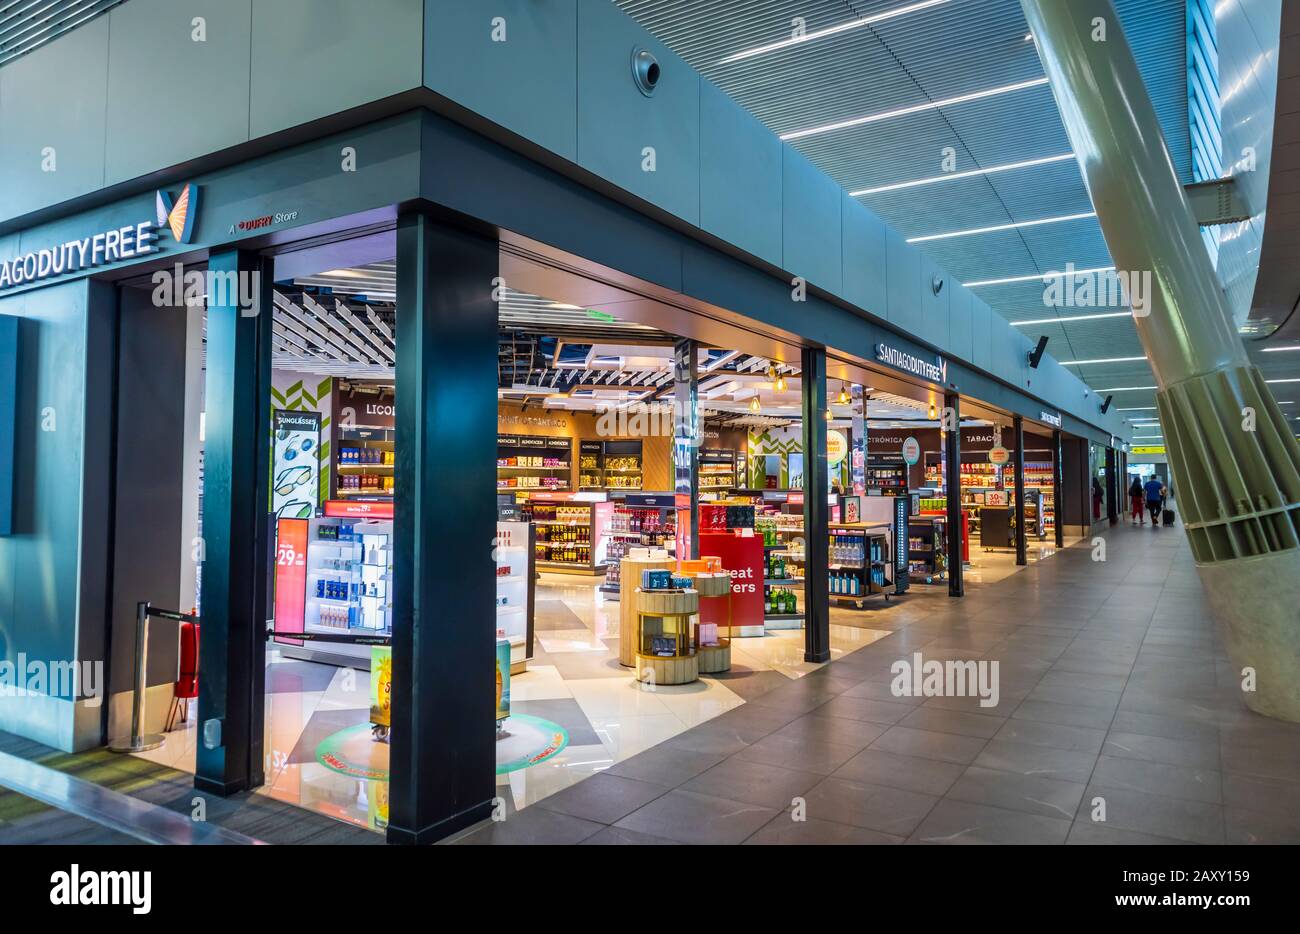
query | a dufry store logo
[106, 246]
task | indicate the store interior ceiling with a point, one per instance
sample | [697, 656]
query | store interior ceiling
[559, 356]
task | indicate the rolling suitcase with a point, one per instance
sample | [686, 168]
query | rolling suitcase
[1167, 516]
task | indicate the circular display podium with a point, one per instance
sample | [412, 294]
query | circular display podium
[629, 575]
[714, 657]
[666, 650]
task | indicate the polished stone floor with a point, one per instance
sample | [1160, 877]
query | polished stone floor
[1118, 720]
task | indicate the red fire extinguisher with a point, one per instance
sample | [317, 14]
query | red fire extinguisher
[187, 681]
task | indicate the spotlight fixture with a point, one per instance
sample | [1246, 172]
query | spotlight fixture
[755, 406]
[1036, 355]
[1106, 405]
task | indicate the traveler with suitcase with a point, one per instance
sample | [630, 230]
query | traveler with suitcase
[1154, 488]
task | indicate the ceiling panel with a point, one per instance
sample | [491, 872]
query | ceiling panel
[951, 48]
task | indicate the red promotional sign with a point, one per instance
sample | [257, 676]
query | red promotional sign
[742, 558]
[357, 509]
[290, 576]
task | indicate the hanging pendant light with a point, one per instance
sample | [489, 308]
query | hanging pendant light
[780, 383]
[755, 406]
[932, 412]
[844, 398]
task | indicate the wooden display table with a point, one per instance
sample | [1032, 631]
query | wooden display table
[629, 571]
[714, 658]
[666, 616]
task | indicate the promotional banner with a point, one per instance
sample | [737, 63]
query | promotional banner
[381, 685]
[742, 558]
[295, 474]
[290, 577]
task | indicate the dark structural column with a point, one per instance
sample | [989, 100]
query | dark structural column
[1058, 493]
[236, 468]
[816, 587]
[686, 433]
[1019, 429]
[1111, 486]
[444, 577]
[952, 485]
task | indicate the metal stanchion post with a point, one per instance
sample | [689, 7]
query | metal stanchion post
[139, 741]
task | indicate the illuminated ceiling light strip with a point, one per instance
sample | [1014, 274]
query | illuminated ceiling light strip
[915, 108]
[953, 176]
[1281, 349]
[1282, 380]
[1066, 320]
[1139, 408]
[831, 30]
[1126, 389]
[995, 228]
[1100, 360]
[1040, 276]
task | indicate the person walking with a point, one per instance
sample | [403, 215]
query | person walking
[1136, 496]
[1155, 493]
[1097, 498]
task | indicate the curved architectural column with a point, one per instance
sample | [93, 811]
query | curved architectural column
[1235, 462]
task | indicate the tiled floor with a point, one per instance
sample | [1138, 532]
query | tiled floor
[1118, 721]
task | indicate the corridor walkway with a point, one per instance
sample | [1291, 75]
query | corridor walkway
[1119, 721]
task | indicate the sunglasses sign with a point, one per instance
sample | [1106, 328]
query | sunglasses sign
[295, 490]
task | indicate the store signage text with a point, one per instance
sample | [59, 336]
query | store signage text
[179, 215]
[1052, 418]
[99, 249]
[935, 369]
[266, 220]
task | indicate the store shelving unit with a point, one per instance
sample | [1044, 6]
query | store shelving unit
[885, 475]
[569, 536]
[516, 574]
[364, 463]
[640, 520]
[717, 469]
[531, 462]
[623, 465]
[927, 549]
[858, 563]
[591, 465]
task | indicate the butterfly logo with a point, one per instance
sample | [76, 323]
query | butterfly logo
[179, 215]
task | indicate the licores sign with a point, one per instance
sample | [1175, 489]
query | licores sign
[99, 249]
